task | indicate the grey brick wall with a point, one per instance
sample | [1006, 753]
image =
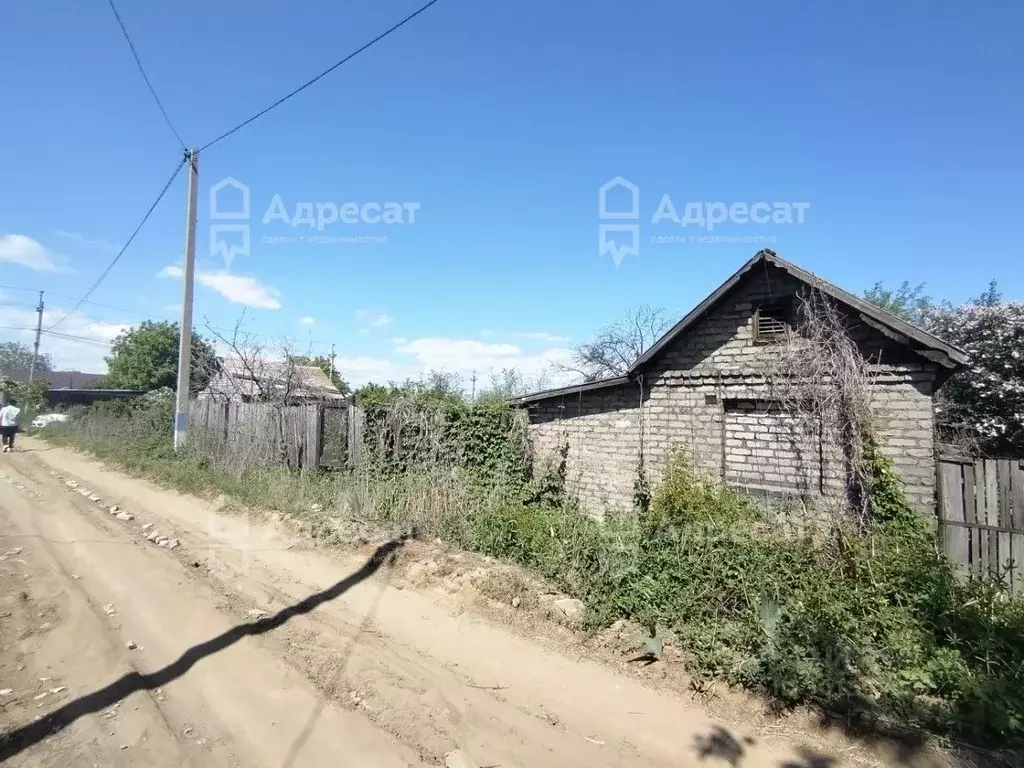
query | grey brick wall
[691, 400]
[603, 432]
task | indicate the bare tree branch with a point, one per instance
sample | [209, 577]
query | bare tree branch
[616, 346]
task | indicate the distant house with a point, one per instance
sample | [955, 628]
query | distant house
[72, 387]
[57, 379]
[705, 388]
[255, 382]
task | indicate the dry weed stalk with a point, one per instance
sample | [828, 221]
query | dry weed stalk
[822, 377]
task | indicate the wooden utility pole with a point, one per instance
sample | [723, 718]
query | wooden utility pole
[185, 332]
[39, 333]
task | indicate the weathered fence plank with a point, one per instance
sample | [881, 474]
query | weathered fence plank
[992, 514]
[1017, 523]
[981, 517]
[971, 513]
[956, 542]
[1004, 514]
[250, 435]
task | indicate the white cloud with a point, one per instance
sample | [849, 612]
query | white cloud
[550, 338]
[77, 344]
[241, 289]
[363, 369]
[307, 320]
[463, 356]
[238, 289]
[373, 318]
[23, 251]
[171, 270]
[80, 238]
[413, 358]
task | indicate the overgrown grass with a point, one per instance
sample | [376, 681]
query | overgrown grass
[875, 627]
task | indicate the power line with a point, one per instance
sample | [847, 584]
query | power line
[58, 335]
[71, 337]
[323, 74]
[120, 253]
[142, 71]
[144, 315]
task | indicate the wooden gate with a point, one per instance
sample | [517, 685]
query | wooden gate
[981, 516]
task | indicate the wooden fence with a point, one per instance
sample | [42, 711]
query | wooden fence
[981, 516]
[301, 436]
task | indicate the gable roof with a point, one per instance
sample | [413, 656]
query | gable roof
[919, 340]
[237, 378]
[895, 328]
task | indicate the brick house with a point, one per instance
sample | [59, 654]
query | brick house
[703, 388]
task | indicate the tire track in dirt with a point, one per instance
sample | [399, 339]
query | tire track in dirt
[430, 707]
[82, 630]
[252, 702]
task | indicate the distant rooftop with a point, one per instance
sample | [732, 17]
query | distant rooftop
[57, 379]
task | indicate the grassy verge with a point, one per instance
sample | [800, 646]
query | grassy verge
[876, 628]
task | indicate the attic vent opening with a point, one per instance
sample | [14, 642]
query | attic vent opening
[771, 323]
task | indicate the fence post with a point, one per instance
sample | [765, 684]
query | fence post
[354, 437]
[321, 417]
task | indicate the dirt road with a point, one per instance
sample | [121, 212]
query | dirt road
[243, 646]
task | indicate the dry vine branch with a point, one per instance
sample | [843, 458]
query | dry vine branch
[821, 376]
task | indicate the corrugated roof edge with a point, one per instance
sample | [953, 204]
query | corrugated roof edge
[588, 386]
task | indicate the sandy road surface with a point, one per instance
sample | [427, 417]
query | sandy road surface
[242, 646]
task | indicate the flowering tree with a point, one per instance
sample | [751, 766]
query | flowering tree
[987, 397]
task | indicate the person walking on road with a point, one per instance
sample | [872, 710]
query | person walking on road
[9, 424]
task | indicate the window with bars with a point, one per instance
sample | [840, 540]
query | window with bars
[772, 323]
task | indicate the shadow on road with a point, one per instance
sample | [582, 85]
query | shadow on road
[22, 738]
[721, 745]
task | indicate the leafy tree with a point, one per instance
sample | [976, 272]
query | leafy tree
[507, 383]
[146, 358]
[372, 395]
[29, 394]
[908, 302]
[616, 346]
[323, 362]
[987, 397]
[436, 387]
[17, 356]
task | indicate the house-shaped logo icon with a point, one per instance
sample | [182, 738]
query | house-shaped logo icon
[221, 200]
[633, 191]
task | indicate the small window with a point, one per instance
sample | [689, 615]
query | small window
[771, 323]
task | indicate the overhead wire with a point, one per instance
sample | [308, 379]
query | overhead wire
[124, 30]
[120, 253]
[142, 71]
[394, 27]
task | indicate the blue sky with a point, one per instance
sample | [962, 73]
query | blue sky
[898, 123]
